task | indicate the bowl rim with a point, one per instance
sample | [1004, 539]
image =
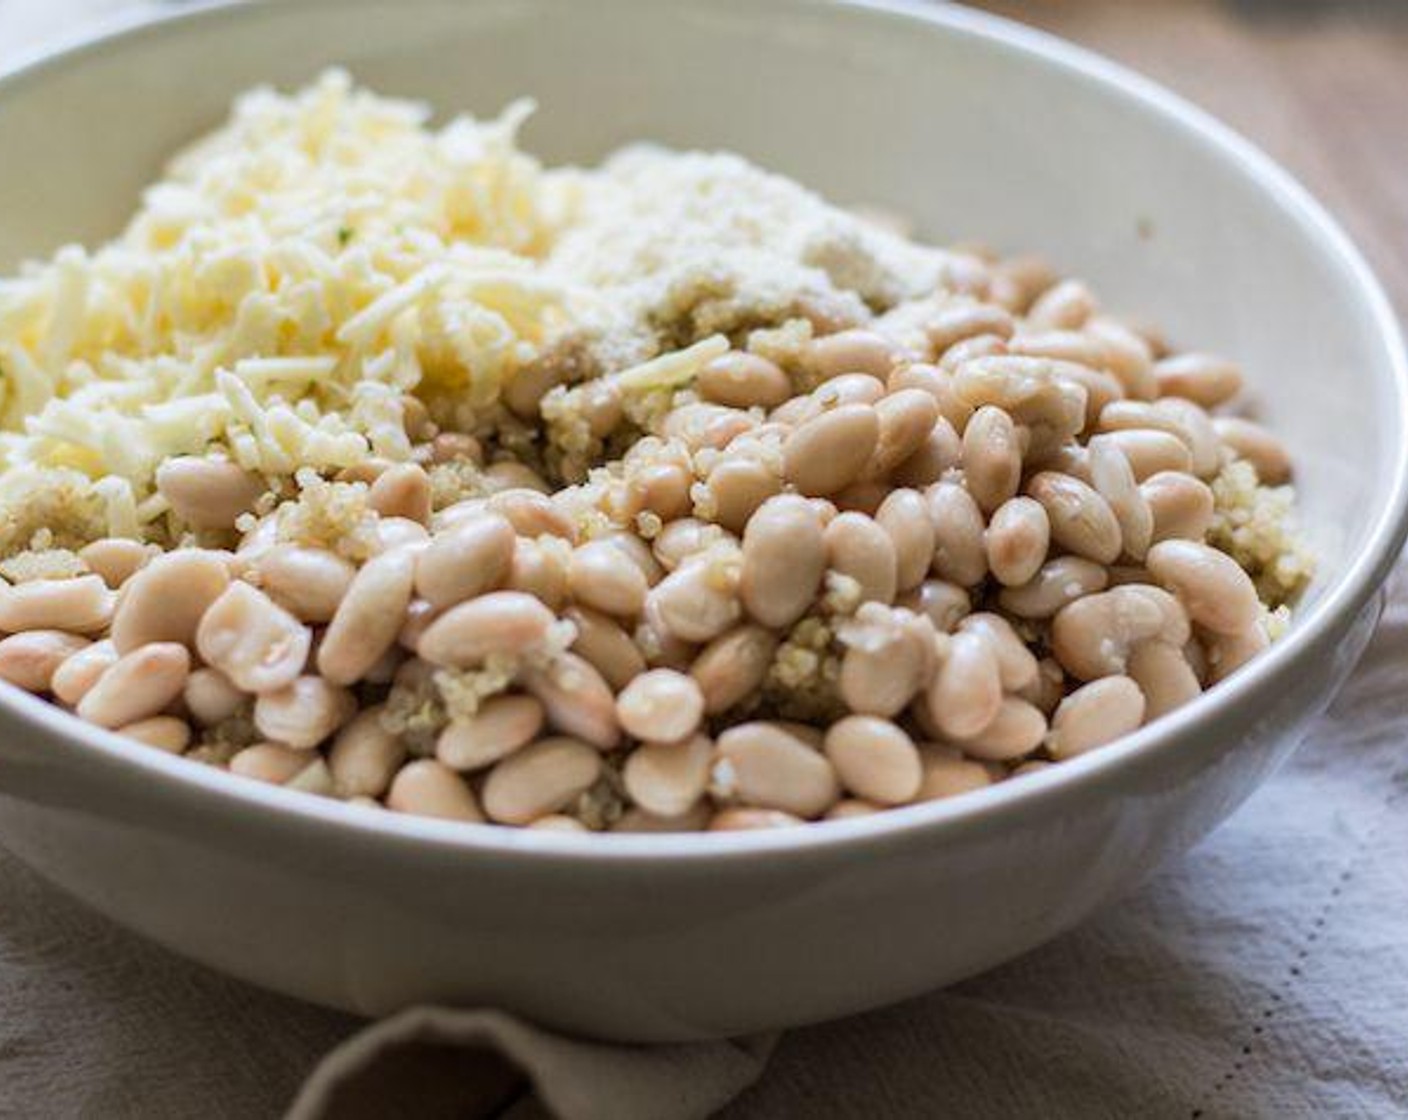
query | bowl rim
[993, 807]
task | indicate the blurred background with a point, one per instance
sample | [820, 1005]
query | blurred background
[1320, 84]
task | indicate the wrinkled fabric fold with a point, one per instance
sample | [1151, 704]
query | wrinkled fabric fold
[476, 1065]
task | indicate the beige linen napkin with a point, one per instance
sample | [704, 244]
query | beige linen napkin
[438, 1062]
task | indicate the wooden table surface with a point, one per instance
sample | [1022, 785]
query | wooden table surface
[1322, 85]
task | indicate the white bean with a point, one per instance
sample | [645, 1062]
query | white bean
[252, 640]
[1214, 590]
[82, 605]
[661, 705]
[539, 779]
[669, 778]
[858, 548]
[766, 765]
[136, 686]
[576, 699]
[303, 713]
[30, 659]
[1095, 714]
[500, 727]
[166, 600]
[966, 692]
[365, 756]
[784, 558]
[428, 788]
[874, 759]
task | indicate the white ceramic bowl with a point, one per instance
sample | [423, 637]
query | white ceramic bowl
[978, 128]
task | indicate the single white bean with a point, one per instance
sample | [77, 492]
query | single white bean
[577, 700]
[599, 580]
[766, 765]
[82, 605]
[1252, 442]
[500, 726]
[501, 622]
[252, 640]
[78, 672]
[211, 697]
[1016, 541]
[115, 559]
[29, 660]
[890, 656]
[858, 548]
[695, 603]
[166, 600]
[303, 713]
[1081, 520]
[402, 490]
[137, 686]
[738, 486]
[905, 519]
[829, 452]
[1164, 676]
[852, 351]
[165, 733]
[1095, 714]
[1016, 730]
[365, 756]
[602, 641]
[539, 779]
[948, 774]
[308, 582]
[662, 706]
[959, 556]
[733, 666]
[1213, 588]
[1058, 582]
[669, 778]
[966, 692]
[784, 559]
[1202, 378]
[1182, 506]
[992, 458]
[874, 759]
[906, 418]
[1114, 480]
[207, 493]
[428, 788]
[270, 762]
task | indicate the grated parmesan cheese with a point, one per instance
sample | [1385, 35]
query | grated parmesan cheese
[299, 271]
[291, 277]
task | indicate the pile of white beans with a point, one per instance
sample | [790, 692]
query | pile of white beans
[999, 535]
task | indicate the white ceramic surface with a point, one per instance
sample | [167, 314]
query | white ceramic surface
[980, 129]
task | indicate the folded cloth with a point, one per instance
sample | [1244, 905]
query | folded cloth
[435, 1062]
